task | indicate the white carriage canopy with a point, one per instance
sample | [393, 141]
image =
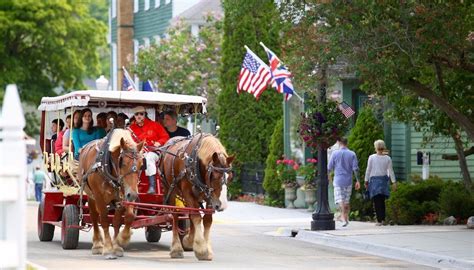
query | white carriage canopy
[182, 104]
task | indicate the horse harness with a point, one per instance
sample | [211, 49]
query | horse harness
[191, 169]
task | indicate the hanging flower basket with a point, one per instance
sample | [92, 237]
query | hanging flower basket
[322, 123]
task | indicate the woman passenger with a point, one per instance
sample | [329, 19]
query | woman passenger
[86, 132]
[75, 124]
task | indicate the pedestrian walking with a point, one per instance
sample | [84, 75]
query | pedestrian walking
[39, 177]
[344, 163]
[377, 177]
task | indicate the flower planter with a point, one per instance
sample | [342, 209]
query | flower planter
[290, 196]
[310, 198]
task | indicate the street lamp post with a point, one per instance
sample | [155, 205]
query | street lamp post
[323, 219]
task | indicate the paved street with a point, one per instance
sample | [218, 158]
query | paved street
[241, 239]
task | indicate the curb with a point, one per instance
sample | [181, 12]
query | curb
[410, 255]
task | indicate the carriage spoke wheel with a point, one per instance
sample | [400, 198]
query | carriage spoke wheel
[153, 234]
[45, 230]
[70, 236]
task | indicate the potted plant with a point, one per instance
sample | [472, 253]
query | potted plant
[286, 171]
[309, 172]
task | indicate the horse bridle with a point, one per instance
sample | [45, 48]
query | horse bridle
[132, 154]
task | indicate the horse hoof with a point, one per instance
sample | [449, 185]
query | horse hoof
[177, 254]
[202, 256]
[110, 256]
[118, 251]
[96, 250]
[187, 244]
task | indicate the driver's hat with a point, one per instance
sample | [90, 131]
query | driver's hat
[139, 109]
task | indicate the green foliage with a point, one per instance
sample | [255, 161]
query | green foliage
[412, 202]
[48, 44]
[363, 135]
[185, 64]
[309, 172]
[32, 122]
[247, 124]
[455, 200]
[274, 194]
[322, 124]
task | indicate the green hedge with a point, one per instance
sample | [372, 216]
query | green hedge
[274, 194]
[413, 202]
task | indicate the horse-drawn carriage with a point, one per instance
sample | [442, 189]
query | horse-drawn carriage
[98, 188]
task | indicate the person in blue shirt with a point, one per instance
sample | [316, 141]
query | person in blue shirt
[39, 176]
[344, 162]
[85, 132]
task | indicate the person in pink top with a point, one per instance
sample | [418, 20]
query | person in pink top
[58, 144]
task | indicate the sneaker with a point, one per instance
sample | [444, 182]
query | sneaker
[345, 224]
[378, 224]
[151, 190]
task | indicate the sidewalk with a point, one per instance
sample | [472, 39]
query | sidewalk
[437, 246]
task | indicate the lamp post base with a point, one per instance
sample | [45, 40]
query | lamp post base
[323, 222]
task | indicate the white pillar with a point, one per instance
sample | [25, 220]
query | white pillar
[12, 183]
[426, 166]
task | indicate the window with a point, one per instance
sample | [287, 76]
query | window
[157, 3]
[146, 42]
[135, 6]
[136, 46]
[114, 67]
[167, 2]
[157, 39]
[147, 4]
[114, 8]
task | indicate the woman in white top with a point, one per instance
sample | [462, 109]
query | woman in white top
[377, 176]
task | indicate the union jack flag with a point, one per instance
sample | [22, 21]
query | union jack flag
[346, 109]
[281, 77]
[254, 75]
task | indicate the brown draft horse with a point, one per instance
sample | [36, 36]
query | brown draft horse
[195, 170]
[109, 173]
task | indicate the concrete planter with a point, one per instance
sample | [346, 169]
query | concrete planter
[290, 196]
[310, 198]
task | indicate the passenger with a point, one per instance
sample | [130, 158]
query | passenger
[86, 132]
[55, 128]
[170, 121]
[153, 134]
[102, 120]
[113, 115]
[121, 117]
[58, 145]
[67, 133]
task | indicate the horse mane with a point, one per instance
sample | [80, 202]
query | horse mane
[209, 146]
[119, 134]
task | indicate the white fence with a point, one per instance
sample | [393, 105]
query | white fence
[12, 183]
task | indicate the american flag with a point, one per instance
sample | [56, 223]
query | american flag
[281, 77]
[346, 109]
[254, 75]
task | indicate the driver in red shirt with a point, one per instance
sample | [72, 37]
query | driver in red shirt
[153, 134]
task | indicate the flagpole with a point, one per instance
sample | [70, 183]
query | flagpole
[265, 47]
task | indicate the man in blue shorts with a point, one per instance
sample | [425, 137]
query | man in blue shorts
[344, 162]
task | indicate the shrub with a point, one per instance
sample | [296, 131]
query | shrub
[455, 200]
[413, 201]
[274, 194]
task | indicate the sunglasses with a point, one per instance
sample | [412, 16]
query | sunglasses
[140, 113]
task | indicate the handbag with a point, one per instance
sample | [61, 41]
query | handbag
[366, 195]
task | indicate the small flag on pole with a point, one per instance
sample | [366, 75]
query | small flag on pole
[254, 75]
[148, 86]
[346, 109]
[127, 82]
[281, 77]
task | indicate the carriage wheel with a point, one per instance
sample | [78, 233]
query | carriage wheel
[70, 236]
[45, 230]
[153, 234]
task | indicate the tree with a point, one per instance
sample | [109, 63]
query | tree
[274, 194]
[47, 45]
[247, 124]
[417, 55]
[185, 64]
